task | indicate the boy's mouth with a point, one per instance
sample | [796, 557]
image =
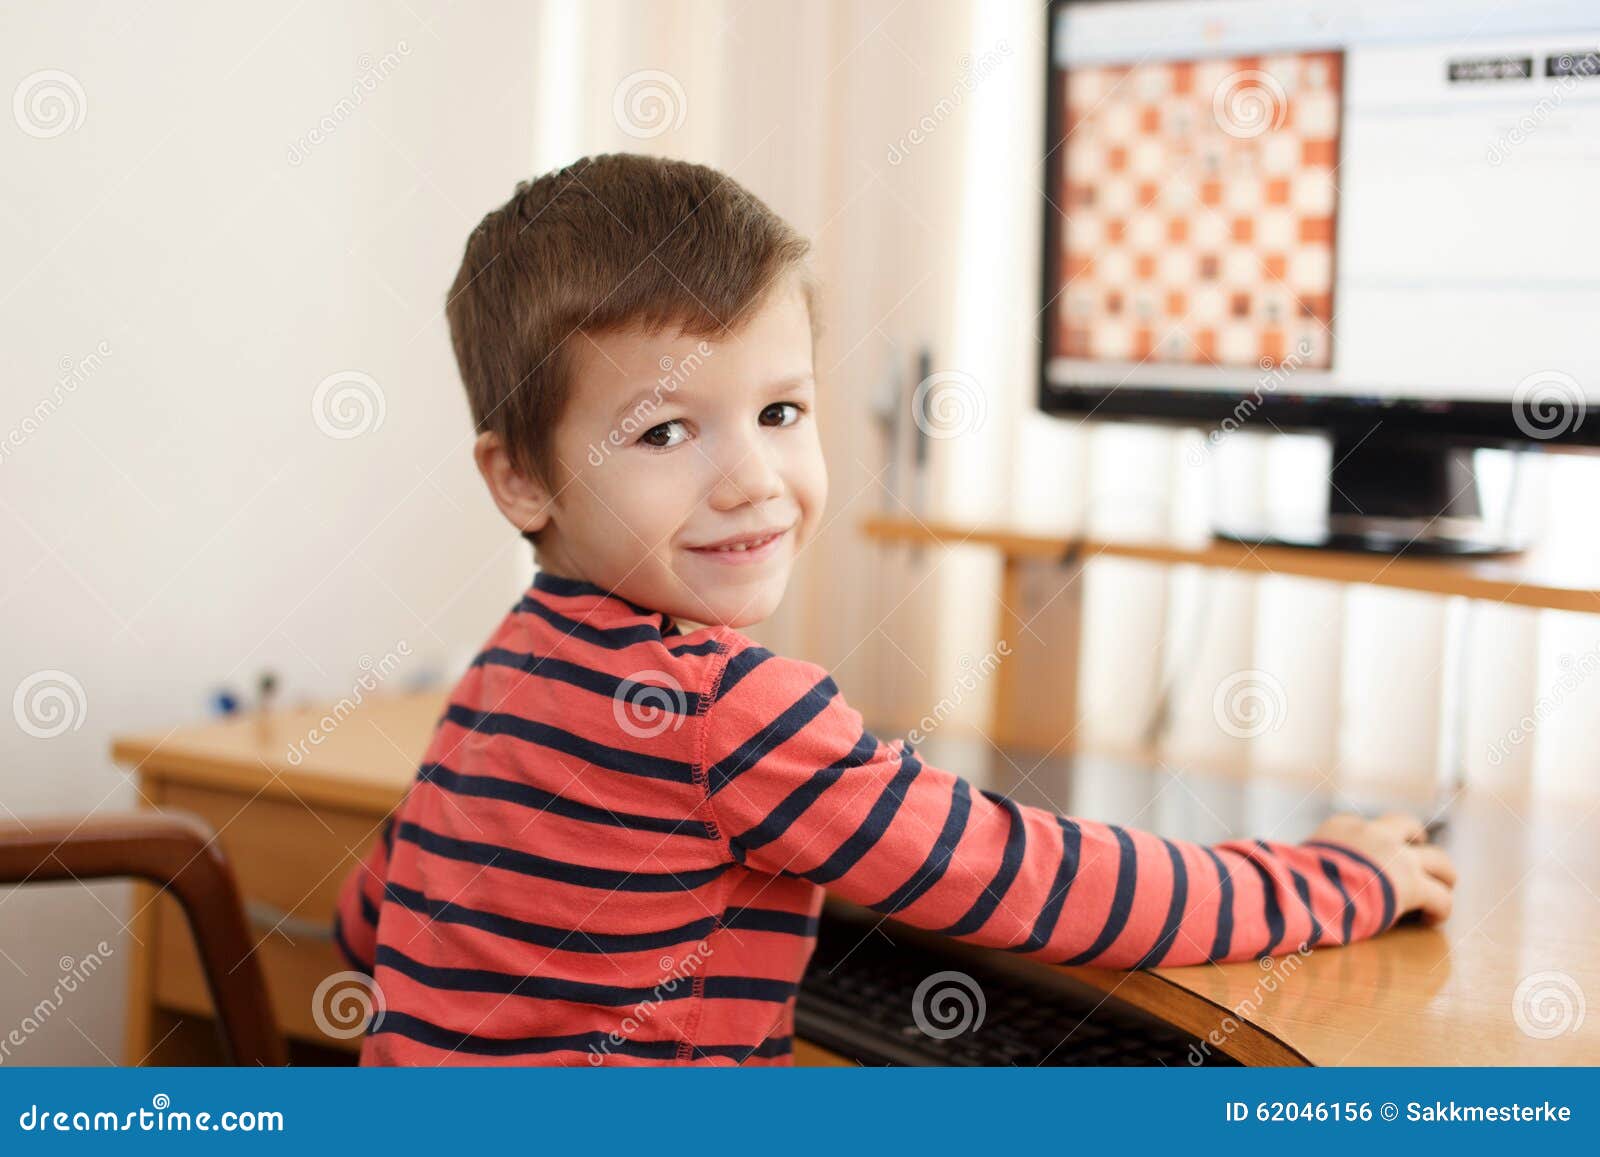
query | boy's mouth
[745, 548]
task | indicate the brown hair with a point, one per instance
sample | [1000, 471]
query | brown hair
[608, 243]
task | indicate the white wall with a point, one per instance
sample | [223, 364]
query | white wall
[179, 519]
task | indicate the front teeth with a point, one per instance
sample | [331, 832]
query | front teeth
[746, 546]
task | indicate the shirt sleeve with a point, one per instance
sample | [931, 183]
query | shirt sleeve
[799, 787]
[355, 915]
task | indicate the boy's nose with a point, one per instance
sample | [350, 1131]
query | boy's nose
[745, 476]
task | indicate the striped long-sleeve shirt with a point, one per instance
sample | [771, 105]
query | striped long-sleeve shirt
[616, 849]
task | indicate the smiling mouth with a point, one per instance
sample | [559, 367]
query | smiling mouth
[743, 545]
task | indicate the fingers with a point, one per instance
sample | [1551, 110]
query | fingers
[1436, 863]
[1431, 893]
[1406, 828]
[1436, 900]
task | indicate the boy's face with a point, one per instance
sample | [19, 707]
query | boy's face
[671, 446]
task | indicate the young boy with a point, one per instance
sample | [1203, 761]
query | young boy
[616, 847]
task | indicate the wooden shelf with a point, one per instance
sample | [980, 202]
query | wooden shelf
[1531, 580]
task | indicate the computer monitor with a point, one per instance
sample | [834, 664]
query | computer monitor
[1370, 218]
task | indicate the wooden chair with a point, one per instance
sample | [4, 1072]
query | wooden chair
[179, 853]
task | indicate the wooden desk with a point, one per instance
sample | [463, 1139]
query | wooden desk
[1527, 902]
[1036, 690]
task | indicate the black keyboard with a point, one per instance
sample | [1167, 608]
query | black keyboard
[879, 998]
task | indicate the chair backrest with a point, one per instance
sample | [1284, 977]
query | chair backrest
[178, 853]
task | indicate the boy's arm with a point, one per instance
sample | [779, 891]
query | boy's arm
[355, 916]
[798, 787]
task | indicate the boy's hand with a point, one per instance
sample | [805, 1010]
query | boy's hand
[1422, 873]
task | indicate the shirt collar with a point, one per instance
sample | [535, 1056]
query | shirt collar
[561, 586]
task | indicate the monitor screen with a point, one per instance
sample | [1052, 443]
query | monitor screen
[1352, 201]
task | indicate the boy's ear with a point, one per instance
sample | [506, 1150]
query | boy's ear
[523, 500]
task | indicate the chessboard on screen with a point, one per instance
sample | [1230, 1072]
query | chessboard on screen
[1201, 205]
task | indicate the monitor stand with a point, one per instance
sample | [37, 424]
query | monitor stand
[1388, 496]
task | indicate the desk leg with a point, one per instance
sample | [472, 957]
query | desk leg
[1036, 689]
[139, 1033]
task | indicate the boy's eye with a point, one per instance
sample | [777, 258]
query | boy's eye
[780, 414]
[667, 434]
